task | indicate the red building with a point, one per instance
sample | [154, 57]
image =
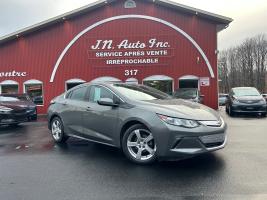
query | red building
[159, 43]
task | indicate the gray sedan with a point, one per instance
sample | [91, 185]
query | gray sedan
[146, 124]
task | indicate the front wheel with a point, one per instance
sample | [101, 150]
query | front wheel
[139, 145]
[230, 111]
[57, 130]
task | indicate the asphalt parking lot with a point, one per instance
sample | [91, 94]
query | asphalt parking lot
[33, 167]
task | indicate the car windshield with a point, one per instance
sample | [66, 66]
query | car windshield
[240, 92]
[140, 92]
[5, 99]
[186, 93]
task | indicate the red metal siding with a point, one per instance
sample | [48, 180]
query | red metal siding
[38, 52]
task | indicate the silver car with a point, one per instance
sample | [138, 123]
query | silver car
[147, 124]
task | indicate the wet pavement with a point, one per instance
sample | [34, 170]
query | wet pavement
[32, 167]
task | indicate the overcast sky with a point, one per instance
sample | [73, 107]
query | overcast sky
[249, 15]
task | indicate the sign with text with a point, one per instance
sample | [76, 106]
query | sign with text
[204, 81]
[13, 73]
[131, 51]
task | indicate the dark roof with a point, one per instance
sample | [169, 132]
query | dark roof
[222, 22]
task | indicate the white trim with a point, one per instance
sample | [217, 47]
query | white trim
[131, 81]
[75, 80]
[32, 82]
[105, 79]
[158, 78]
[9, 82]
[188, 77]
[187, 36]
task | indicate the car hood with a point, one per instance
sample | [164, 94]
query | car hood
[182, 109]
[249, 98]
[18, 104]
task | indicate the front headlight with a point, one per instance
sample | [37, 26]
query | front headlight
[186, 123]
[235, 100]
[4, 109]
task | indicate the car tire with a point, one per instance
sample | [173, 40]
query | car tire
[57, 130]
[230, 112]
[226, 109]
[138, 145]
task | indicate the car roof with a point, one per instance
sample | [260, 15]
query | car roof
[244, 88]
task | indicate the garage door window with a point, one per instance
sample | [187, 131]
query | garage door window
[10, 89]
[35, 91]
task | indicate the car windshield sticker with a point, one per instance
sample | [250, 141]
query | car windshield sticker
[97, 94]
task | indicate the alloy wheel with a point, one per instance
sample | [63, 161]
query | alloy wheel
[141, 144]
[56, 130]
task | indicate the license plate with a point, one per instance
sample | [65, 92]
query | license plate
[250, 108]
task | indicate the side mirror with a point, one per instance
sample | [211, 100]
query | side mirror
[107, 102]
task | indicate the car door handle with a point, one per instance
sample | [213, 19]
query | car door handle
[64, 103]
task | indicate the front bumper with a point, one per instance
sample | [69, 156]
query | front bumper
[175, 143]
[249, 108]
[13, 118]
[31, 113]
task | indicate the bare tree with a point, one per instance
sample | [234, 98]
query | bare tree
[244, 65]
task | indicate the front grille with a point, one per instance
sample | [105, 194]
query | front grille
[213, 140]
[249, 101]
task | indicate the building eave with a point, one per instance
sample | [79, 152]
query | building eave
[221, 21]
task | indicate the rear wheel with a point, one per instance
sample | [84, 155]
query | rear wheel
[57, 130]
[139, 145]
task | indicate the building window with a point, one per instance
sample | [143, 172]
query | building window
[9, 87]
[73, 82]
[189, 81]
[34, 89]
[160, 82]
[130, 4]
